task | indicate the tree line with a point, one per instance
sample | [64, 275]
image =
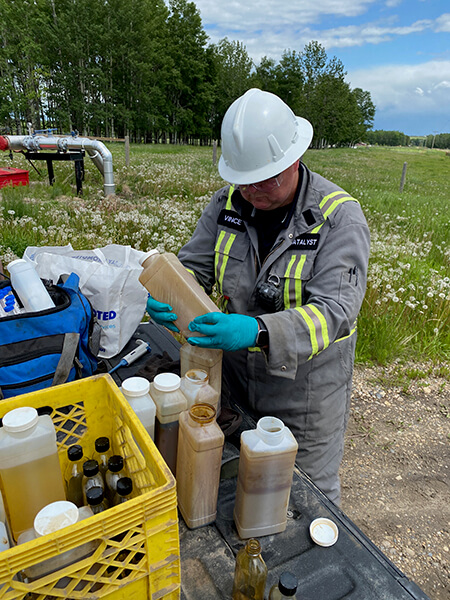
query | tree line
[145, 68]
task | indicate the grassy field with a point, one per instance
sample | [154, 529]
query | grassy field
[160, 196]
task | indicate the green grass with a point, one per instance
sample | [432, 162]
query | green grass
[160, 196]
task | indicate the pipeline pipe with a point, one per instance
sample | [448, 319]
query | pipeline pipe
[97, 151]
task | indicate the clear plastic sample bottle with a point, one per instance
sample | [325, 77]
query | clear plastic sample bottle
[136, 391]
[266, 467]
[74, 475]
[29, 466]
[28, 286]
[200, 446]
[207, 359]
[168, 281]
[91, 477]
[102, 453]
[113, 474]
[286, 587]
[95, 498]
[124, 490]
[170, 402]
[250, 573]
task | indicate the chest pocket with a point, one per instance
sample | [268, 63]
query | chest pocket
[230, 252]
[293, 270]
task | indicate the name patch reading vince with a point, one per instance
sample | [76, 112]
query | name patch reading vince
[231, 219]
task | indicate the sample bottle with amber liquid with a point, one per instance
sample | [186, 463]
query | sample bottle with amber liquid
[200, 446]
[169, 282]
[250, 573]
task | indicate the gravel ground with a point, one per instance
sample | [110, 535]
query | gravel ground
[395, 472]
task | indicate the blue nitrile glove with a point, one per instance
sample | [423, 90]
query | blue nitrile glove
[161, 313]
[224, 332]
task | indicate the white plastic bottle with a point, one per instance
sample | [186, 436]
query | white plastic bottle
[200, 446]
[170, 402]
[29, 466]
[168, 281]
[28, 286]
[266, 466]
[136, 391]
[207, 359]
[195, 386]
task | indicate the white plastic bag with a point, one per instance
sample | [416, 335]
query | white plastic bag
[109, 278]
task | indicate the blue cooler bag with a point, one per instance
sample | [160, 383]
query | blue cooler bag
[49, 347]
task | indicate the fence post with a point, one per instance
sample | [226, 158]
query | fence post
[214, 152]
[402, 182]
[127, 150]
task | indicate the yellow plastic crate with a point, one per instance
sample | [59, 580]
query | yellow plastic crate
[138, 553]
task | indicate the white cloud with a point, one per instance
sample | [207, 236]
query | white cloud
[443, 23]
[409, 89]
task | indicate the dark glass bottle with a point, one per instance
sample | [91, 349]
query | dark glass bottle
[285, 589]
[95, 498]
[250, 573]
[74, 475]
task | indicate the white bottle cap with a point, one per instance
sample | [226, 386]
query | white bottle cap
[20, 419]
[135, 386]
[167, 382]
[324, 532]
[20, 264]
[55, 516]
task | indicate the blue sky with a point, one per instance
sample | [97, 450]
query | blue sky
[398, 50]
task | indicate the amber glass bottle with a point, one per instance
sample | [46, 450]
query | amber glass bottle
[250, 573]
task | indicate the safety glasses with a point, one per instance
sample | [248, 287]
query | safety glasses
[268, 184]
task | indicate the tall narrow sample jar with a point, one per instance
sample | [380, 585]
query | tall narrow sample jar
[137, 391]
[200, 446]
[168, 281]
[195, 386]
[207, 359]
[250, 573]
[264, 483]
[170, 402]
[28, 286]
[29, 466]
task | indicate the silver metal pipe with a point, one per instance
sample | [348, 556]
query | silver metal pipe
[97, 151]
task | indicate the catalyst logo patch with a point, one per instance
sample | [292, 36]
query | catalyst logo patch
[306, 241]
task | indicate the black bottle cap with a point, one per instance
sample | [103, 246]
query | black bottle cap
[115, 463]
[287, 584]
[102, 444]
[75, 452]
[90, 468]
[95, 495]
[124, 486]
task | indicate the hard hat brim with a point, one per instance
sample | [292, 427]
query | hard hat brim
[272, 168]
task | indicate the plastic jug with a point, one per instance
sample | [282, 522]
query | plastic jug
[200, 447]
[29, 466]
[207, 359]
[168, 281]
[195, 386]
[136, 391]
[28, 286]
[170, 402]
[264, 483]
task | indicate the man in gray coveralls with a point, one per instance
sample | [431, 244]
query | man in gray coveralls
[288, 252]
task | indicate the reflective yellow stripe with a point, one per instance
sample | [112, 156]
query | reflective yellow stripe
[312, 331]
[228, 205]
[318, 329]
[191, 272]
[329, 204]
[347, 336]
[222, 251]
[292, 293]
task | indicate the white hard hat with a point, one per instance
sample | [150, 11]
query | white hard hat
[261, 137]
